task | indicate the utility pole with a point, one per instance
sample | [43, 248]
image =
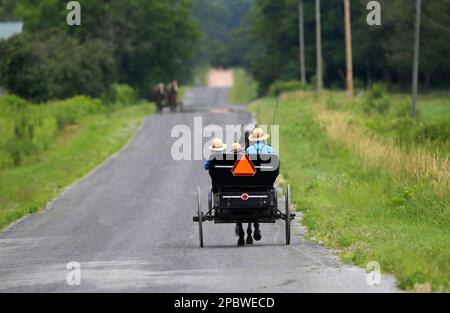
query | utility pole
[319, 48]
[416, 57]
[301, 30]
[348, 48]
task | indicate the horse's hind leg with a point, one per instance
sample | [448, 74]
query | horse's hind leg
[241, 241]
[249, 234]
[257, 235]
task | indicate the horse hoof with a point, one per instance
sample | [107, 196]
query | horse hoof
[241, 242]
[249, 240]
[257, 235]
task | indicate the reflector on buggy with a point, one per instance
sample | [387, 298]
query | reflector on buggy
[250, 198]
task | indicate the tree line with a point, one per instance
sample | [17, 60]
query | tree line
[140, 43]
[267, 43]
[218, 19]
[134, 42]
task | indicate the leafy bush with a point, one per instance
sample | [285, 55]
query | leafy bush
[26, 129]
[279, 87]
[436, 132]
[51, 65]
[70, 111]
[378, 101]
[125, 95]
[401, 108]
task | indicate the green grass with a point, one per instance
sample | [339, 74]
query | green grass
[429, 131]
[245, 88]
[363, 211]
[77, 150]
[434, 106]
[181, 93]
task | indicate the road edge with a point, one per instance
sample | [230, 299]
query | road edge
[49, 205]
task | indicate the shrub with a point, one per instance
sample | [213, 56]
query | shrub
[125, 95]
[6, 134]
[71, 110]
[51, 65]
[401, 108]
[436, 132]
[378, 101]
[403, 129]
[279, 87]
[24, 129]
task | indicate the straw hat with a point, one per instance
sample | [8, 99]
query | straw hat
[258, 135]
[218, 145]
[236, 147]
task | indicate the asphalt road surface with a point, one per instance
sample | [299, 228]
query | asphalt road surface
[129, 226]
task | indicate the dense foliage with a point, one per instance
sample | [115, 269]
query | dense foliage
[7, 8]
[219, 20]
[26, 129]
[51, 65]
[379, 52]
[148, 42]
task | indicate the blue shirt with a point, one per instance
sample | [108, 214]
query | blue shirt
[259, 148]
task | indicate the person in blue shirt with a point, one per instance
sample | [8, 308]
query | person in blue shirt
[217, 146]
[259, 147]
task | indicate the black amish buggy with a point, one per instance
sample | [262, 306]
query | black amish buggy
[243, 191]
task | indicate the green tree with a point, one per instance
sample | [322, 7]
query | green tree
[435, 40]
[151, 41]
[7, 8]
[219, 21]
[379, 52]
[51, 65]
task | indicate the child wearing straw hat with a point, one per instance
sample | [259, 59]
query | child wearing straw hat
[216, 147]
[236, 148]
[259, 147]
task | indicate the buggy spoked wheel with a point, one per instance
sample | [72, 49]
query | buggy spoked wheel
[200, 217]
[288, 215]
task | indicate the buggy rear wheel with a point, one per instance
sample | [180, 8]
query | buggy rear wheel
[200, 217]
[288, 215]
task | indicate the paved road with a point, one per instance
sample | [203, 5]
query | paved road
[129, 225]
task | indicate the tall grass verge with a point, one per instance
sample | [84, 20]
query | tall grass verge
[75, 151]
[419, 164]
[358, 201]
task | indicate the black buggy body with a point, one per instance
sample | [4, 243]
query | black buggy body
[250, 198]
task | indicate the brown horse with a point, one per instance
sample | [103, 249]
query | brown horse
[172, 95]
[159, 96]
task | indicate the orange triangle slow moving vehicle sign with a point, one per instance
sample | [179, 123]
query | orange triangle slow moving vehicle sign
[244, 167]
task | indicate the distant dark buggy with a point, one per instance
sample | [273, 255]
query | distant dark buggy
[236, 197]
[167, 96]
